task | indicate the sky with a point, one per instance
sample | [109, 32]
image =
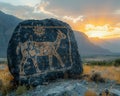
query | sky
[96, 18]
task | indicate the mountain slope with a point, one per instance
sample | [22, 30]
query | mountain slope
[9, 22]
[87, 48]
[7, 25]
[111, 44]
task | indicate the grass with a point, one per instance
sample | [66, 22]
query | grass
[107, 72]
[90, 93]
[5, 79]
[115, 62]
[95, 71]
[5, 84]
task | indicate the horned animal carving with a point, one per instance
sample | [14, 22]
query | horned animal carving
[33, 49]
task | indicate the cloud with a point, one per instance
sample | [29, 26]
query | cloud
[69, 9]
[40, 8]
[77, 13]
[23, 12]
[18, 11]
[77, 7]
[72, 10]
[74, 20]
[118, 24]
[117, 11]
[97, 28]
[21, 2]
[104, 31]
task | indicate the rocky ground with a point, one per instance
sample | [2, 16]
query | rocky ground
[74, 88]
[70, 87]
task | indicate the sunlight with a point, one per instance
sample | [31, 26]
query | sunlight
[94, 33]
[97, 31]
[102, 31]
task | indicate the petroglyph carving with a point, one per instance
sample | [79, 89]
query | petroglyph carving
[43, 26]
[32, 49]
[39, 30]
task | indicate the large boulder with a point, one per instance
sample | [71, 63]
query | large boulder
[40, 50]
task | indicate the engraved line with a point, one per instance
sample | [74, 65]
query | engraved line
[44, 26]
[37, 74]
[68, 33]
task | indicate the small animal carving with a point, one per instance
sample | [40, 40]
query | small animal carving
[32, 49]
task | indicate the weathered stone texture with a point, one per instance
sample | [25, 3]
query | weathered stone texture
[40, 50]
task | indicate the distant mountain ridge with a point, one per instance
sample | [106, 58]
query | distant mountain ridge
[111, 44]
[7, 25]
[87, 48]
[9, 22]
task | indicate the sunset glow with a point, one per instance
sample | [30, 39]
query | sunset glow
[103, 31]
[95, 18]
[96, 31]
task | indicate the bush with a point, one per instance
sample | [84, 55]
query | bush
[96, 77]
[21, 89]
[117, 62]
[102, 63]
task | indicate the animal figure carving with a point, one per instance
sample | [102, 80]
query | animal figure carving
[32, 49]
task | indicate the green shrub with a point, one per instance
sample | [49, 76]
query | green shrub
[100, 63]
[21, 89]
[117, 62]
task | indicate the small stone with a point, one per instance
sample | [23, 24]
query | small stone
[100, 94]
[106, 91]
[114, 92]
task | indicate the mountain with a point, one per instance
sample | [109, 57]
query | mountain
[87, 48]
[9, 22]
[111, 44]
[7, 25]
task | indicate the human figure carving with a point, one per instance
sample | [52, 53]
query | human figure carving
[34, 49]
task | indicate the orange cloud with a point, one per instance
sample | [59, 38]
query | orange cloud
[104, 31]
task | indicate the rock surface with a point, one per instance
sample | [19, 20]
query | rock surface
[41, 50]
[71, 87]
[115, 92]
[62, 88]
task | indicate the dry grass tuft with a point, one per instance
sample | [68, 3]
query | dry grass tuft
[90, 93]
[5, 76]
[107, 72]
[5, 79]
